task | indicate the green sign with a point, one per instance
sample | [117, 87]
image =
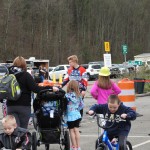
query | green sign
[139, 63]
[124, 49]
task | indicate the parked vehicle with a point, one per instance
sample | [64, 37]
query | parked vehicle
[3, 71]
[59, 70]
[97, 62]
[130, 68]
[115, 72]
[92, 70]
[51, 69]
[121, 67]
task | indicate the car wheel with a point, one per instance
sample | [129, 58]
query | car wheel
[88, 76]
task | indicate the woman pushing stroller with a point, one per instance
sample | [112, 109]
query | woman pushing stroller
[21, 108]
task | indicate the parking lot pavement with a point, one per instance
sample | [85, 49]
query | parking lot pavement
[139, 134]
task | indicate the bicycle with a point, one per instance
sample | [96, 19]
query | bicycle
[106, 144]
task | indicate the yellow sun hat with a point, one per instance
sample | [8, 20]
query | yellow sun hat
[104, 71]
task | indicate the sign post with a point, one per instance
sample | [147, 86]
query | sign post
[124, 51]
[107, 56]
[107, 46]
[107, 60]
[135, 63]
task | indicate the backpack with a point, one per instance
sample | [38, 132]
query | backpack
[9, 88]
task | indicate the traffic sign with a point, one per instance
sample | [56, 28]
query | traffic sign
[124, 49]
[107, 46]
[107, 60]
[139, 63]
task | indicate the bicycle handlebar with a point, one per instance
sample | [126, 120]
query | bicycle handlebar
[51, 90]
[101, 121]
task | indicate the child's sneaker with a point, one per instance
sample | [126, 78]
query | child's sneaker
[78, 148]
[73, 148]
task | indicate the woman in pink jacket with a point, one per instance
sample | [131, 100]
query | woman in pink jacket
[104, 87]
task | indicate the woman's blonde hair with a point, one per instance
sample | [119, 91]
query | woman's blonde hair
[20, 62]
[74, 58]
[73, 86]
[9, 119]
[104, 82]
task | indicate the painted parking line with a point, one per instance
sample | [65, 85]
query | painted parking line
[138, 145]
[95, 135]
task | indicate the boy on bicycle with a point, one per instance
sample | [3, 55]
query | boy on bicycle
[14, 137]
[115, 108]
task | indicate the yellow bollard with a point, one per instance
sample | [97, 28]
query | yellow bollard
[54, 78]
[60, 78]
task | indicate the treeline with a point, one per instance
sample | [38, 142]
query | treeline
[55, 29]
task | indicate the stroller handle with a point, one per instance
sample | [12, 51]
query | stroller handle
[51, 90]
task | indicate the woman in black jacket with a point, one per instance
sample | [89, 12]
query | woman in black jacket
[21, 108]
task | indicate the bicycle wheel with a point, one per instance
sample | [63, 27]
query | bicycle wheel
[102, 146]
[129, 145]
[96, 144]
[47, 146]
[34, 141]
[34, 120]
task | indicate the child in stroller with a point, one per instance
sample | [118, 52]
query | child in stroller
[49, 108]
[14, 137]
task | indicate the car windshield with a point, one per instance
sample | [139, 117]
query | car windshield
[96, 66]
[121, 66]
[50, 69]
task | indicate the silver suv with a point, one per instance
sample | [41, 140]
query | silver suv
[92, 70]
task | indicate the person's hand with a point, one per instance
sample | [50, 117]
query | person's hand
[90, 112]
[55, 89]
[124, 116]
[60, 86]
[83, 93]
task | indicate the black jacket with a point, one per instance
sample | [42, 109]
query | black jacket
[27, 85]
[20, 138]
[118, 128]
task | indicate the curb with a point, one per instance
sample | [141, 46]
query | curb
[142, 95]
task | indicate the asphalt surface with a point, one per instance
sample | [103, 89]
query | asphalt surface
[139, 135]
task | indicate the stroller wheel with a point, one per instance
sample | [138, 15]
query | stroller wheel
[66, 141]
[47, 146]
[34, 141]
[34, 120]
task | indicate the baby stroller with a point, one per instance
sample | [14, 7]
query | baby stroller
[48, 120]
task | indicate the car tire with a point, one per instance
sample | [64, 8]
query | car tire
[88, 77]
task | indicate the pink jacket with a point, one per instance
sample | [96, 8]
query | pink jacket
[101, 95]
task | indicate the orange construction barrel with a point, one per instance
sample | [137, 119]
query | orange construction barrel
[127, 95]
